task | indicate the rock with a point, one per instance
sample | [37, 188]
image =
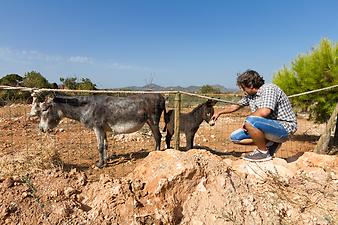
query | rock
[8, 182]
[25, 194]
[311, 159]
[16, 179]
[200, 187]
[69, 191]
[82, 179]
[316, 174]
[63, 211]
[73, 172]
[11, 208]
[276, 167]
[54, 194]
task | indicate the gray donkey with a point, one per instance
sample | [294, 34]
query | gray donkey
[104, 113]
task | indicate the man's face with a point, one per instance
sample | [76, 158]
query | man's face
[249, 90]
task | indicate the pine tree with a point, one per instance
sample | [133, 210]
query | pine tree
[314, 70]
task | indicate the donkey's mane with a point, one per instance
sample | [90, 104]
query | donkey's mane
[198, 107]
[73, 101]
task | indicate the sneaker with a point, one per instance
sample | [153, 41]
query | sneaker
[273, 147]
[257, 156]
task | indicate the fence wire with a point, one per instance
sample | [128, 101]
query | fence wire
[71, 145]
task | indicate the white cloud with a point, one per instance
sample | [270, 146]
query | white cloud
[36, 58]
[121, 66]
[26, 56]
[80, 59]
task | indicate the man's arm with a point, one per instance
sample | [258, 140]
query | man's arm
[262, 112]
[229, 109]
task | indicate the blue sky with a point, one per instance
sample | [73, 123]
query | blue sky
[121, 43]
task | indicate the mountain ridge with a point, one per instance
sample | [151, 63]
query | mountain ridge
[192, 88]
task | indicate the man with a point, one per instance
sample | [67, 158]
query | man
[272, 119]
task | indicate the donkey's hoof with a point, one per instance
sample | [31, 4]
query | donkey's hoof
[101, 164]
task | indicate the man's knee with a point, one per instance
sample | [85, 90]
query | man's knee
[235, 136]
[251, 120]
[240, 137]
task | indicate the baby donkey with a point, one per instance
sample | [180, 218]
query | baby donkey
[189, 122]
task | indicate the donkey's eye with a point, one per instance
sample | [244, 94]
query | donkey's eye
[45, 109]
[208, 114]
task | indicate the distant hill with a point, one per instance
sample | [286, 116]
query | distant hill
[155, 87]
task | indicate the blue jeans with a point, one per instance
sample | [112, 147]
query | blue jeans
[272, 130]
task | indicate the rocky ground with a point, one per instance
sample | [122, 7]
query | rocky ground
[175, 187]
[50, 179]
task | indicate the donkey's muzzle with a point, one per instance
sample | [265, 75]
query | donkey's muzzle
[211, 122]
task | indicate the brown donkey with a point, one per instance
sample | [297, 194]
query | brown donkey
[189, 122]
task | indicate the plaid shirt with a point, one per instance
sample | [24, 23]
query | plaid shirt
[272, 97]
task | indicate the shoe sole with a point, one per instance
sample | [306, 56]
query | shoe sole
[258, 160]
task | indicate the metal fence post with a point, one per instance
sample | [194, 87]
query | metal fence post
[177, 120]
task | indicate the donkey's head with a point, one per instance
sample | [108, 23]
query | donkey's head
[36, 108]
[49, 115]
[38, 103]
[208, 111]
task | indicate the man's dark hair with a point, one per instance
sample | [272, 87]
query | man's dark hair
[250, 78]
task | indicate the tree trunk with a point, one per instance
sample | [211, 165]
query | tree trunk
[335, 137]
[322, 146]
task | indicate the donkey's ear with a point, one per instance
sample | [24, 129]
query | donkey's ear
[49, 99]
[211, 102]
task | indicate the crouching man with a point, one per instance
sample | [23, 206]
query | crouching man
[272, 119]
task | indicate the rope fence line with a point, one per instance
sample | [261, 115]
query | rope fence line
[38, 90]
[313, 91]
[5, 87]
[80, 91]
[206, 97]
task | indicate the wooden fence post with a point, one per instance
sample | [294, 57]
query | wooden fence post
[322, 146]
[177, 120]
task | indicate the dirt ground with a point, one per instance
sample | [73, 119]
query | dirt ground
[72, 145]
[39, 170]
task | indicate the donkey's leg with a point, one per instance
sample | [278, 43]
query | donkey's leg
[155, 129]
[105, 156]
[102, 146]
[168, 138]
[157, 135]
[190, 139]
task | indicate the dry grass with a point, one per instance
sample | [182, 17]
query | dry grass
[301, 193]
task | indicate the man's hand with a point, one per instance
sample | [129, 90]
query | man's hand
[215, 117]
[243, 126]
[230, 109]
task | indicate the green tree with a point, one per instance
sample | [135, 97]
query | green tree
[11, 95]
[86, 84]
[314, 70]
[208, 89]
[34, 79]
[73, 84]
[11, 80]
[69, 83]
